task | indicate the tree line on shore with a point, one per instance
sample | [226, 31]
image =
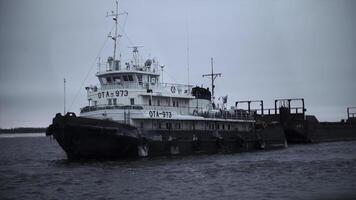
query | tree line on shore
[24, 130]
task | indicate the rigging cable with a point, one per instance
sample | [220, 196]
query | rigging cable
[91, 68]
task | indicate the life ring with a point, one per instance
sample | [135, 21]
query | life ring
[173, 89]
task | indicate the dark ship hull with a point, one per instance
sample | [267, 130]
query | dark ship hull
[84, 138]
[312, 131]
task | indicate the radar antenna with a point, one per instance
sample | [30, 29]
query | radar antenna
[115, 15]
[213, 76]
[136, 55]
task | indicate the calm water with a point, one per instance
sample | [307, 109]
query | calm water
[36, 168]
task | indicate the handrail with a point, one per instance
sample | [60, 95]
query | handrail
[136, 85]
[351, 113]
[249, 104]
[289, 104]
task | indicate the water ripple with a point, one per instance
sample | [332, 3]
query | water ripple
[36, 168]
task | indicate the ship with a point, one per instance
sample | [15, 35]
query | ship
[300, 128]
[132, 113]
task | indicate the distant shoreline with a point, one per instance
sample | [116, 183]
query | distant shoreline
[23, 130]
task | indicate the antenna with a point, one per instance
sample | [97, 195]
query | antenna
[115, 15]
[135, 55]
[213, 77]
[64, 98]
[188, 53]
[162, 66]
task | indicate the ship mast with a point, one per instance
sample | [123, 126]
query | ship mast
[213, 76]
[115, 15]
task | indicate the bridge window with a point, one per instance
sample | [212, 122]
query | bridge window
[117, 80]
[158, 102]
[130, 77]
[149, 102]
[132, 101]
[125, 78]
[139, 78]
[103, 80]
[108, 80]
[114, 101]
[223, 126]
[109, 101]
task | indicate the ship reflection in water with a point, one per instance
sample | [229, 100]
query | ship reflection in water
[36, 168]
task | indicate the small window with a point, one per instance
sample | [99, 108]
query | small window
[149, 102]
[159, 125]
[109, 101]
[228, 127]
[177, 103]
[117, 80]
[223, 126]
[103, 80]
[132, 101]
[139, 78]
[125, 78]
[174, 104]
[130, 78]
[212, 126]
[158, 102]
[114, 102]
[217, 126]
[108, 80]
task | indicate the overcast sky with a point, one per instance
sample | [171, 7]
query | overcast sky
[264, 49]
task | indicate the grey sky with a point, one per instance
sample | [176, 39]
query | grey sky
[264, 49]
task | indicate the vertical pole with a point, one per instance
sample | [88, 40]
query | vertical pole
[162, 72]
[188, 54]
[99, 64]
[212, 80]
[275, 107]
[64, 96]
[348, 113]
[249, 107]
[116, 18]
[262, 108]
[303, 107]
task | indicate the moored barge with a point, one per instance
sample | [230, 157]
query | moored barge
[302, 128]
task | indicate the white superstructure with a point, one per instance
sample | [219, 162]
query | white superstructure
[133, 93]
